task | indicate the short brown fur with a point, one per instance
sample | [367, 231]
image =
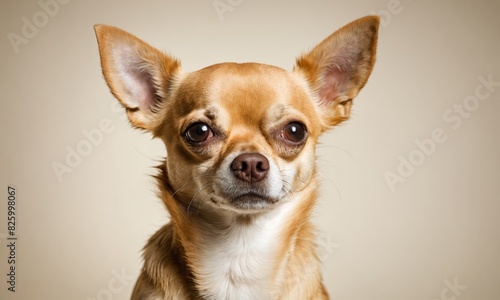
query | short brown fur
[240, 169]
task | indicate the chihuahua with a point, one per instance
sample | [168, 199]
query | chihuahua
[239, 180]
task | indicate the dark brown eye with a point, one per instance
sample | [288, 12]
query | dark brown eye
[198, 133]
[294, 133]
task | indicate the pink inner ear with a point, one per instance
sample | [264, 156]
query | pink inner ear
[140, 87]
[333, 82]
[143, 90]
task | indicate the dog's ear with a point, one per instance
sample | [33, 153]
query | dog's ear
[138, 75]
[338, 67]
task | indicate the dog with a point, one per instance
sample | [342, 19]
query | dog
[239, 180]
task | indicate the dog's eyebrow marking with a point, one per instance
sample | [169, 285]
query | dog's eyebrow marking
[277, 112]
[211, 113]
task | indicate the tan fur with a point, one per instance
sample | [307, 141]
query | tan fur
[247, 108]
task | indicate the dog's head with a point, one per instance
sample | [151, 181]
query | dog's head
[239, 137]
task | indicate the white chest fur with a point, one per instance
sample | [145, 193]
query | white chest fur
[239, 261]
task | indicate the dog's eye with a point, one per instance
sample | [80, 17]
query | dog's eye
[294, 132]
[198, 133]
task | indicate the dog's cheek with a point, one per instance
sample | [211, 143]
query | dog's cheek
[204, 177]
[180, 166]
[305, 167]
[178, 172]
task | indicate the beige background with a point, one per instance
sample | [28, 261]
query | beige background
[80, 237]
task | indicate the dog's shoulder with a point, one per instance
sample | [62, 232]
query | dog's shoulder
[165, 272]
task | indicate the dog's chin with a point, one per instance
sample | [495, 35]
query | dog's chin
[247, 203]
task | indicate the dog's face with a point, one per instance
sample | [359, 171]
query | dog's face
[240, 137]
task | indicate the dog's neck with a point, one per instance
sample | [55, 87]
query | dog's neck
[235, 256]
[237, 261]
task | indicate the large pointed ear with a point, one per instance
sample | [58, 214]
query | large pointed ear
[338, 68]
[138, 75]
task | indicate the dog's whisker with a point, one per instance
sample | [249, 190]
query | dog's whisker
[332, 182]
[200, 189]
[321, 146]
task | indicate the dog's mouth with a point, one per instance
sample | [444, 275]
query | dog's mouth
[249, 202]
[252, 199]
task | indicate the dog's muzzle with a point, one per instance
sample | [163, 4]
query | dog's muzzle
[249, 181]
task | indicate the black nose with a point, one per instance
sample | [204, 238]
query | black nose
[250, 167]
